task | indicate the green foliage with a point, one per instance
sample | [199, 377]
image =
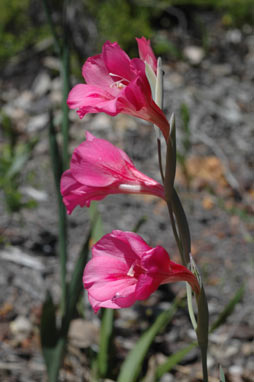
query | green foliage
[12, 161]
[177, 357]
[234, 11]
[132, 366]
[222, 376]
[121, 21]
[106, 337]
[17, 29]
[53, 338]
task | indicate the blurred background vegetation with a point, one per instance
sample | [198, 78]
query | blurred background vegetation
[23, 23]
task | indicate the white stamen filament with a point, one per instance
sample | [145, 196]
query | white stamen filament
[118, 83]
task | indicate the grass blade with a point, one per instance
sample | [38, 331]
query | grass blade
[228, 309]
[76, 286]
[106, 334]
[57, 167]
[174, 359]
[222, 376]
[132, 365]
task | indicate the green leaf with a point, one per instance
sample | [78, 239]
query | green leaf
[139, 224]
[75, 285]
[182, 225]
[131, 367]
[97, 230]
[106, 334]
[222, 376]
[17, 164]
[57, 167]
[173, 360]
[170, 170]
[229, 308]
[48, 330]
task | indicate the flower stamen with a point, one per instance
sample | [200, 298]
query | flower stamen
[119, 84]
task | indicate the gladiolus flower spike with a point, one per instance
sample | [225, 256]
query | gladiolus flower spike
[124, 269]
[98, 168]
[117, 84]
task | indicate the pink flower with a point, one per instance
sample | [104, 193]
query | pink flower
[98, 169]
[146, 53]
[116, 84]
[124, 269]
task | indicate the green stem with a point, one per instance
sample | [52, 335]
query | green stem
[62, 221]
[65, 109]
[57, 43]
[65, 61]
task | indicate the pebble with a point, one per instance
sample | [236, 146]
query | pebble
[194, 54]
[38, 195]
[83, 333]
[24, 100]
[167, 378]
[21, 327]
[41, 84]
[235, 369]
[37, 123]
[234, 36]
[101, 122]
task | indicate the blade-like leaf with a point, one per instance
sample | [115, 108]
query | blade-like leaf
[97, 230]
[228, 309]
[222, 376]
[17, 164]
[132, 365]
[139, 224]
[170, 170]
[48, 330]
[106, 333]
[75, 286]
[174, 359]
[57, 167]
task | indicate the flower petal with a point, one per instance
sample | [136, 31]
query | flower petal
[96, 73]
[146, 53]
[117, 61]
[72, 192]
[92, 99]
[117, 245]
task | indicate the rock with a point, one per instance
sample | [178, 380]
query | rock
[83, 334]
[194, 54]
[167, 378]
[37, 123]
[38, 195]
[234, 36]
[52, 63]
[42, 84]
[24, 100]
[235, 370]
[21, 328]
[101, 122]
[221, 70]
